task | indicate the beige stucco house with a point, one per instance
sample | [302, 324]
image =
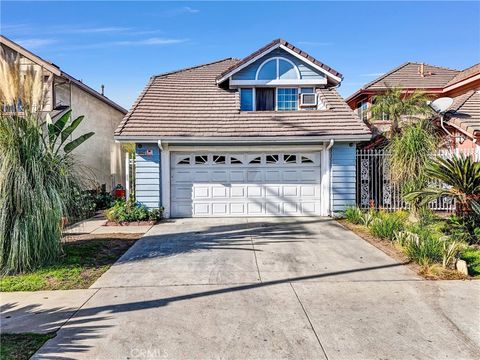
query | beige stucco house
[100, 154]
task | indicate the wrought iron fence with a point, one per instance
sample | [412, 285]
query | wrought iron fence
[375, 188]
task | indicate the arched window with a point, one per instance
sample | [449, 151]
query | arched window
[277, 68]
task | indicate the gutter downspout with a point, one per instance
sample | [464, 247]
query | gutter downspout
[327, 180]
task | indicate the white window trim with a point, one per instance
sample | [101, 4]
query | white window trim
[278, 58]
[307, 105]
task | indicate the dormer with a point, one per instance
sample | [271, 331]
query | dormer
[279, 77]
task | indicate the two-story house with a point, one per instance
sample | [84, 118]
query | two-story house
[267, 135]
[461, 124]
[100, 154]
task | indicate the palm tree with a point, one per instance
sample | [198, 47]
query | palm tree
[396, 102]
[461, 174]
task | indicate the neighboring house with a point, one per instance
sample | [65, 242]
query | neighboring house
[262, 136]
[100, 154]
[462, 121]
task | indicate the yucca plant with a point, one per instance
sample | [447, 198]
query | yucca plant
[39, 178]
[410, 151]
[460, 174]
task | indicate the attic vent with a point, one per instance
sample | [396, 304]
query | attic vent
[308, 99]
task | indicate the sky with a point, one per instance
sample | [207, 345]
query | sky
[122, 44]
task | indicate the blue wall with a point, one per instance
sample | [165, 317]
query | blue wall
[147, 175]
[343, 177]
[306, 71]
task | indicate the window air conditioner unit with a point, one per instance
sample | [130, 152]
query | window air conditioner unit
[308, 99]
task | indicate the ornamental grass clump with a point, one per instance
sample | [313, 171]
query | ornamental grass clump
[386, 225]
[354, 215]
[39, 178]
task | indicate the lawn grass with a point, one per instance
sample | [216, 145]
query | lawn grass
[21, 346]
[84, 260]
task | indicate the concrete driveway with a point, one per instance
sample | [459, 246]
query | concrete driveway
[267, 289]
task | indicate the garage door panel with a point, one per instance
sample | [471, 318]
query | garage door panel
[201, 192]
[290, 191]
[238, 191]
[237, 176]
[254, 208]
[255, 176]
[219, 191]
[220, 176]
[237, 209]
[254, 191]
[219, 209]
[201, 208]
[277, 185]
[273, 175]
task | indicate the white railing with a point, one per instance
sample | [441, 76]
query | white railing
[375, 188]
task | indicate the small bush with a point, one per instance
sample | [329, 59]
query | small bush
[387, 225]
[354, 215]
[424, 249]
[129, 211]
[472, 257]
[464, 228]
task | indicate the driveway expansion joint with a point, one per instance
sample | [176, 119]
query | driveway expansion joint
[309, 321]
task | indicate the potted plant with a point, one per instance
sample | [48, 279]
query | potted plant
[119, 192]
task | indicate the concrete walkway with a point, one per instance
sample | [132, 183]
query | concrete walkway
[267, 288]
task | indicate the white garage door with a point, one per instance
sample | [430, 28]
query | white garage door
[245, 184]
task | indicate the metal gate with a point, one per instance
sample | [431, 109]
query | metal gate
[375, 188]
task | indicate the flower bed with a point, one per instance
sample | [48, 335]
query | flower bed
[432, 244]
[132, 213]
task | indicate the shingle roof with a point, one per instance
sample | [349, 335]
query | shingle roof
[465, 74]
[189, 103]
[289, 46]
[408, 76]
[467, 112]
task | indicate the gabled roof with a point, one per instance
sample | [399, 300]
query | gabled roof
[465, 74]
[57, 71]
[408, 76]
[332, 73]
[189, 104]
[465, 112]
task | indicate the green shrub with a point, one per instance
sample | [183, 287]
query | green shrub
[387, 225]
[354, 215]
[424, 248]
[129, 211]
[464, 228]
[472, 257]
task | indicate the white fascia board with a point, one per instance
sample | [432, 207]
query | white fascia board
[292, 82]
[461, 83]
[243, 140]
[312, 64]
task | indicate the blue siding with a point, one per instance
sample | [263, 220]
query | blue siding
[343, 176]
[306, 71]
[147, 175]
